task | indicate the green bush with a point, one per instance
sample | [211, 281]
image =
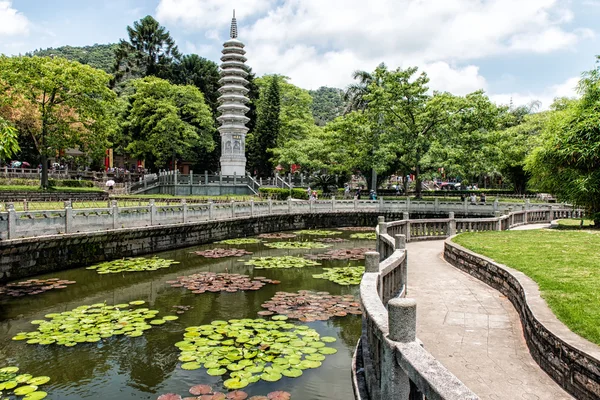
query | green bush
[72, 183]
[284, 194]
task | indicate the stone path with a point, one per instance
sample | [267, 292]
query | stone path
[473, 330]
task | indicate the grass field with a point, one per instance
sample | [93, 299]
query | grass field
[28, 188]
[575, 224]
[565, 265]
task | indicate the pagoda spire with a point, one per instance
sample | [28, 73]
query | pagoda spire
[234, 32]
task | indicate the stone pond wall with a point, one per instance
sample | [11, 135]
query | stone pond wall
[570, 360]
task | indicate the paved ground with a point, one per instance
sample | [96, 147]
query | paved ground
[473, 330]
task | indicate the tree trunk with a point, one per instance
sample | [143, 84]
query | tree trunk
[418, 182]
[44, 179]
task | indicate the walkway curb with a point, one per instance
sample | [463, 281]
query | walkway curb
[573, 362]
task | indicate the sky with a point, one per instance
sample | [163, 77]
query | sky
[522, 50]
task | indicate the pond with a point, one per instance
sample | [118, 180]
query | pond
[144, 367]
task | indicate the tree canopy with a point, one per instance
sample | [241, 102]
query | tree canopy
[165, 122]
[100, 56]
[60, 104]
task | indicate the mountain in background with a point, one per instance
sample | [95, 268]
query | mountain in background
[328, 104]
[100, 56]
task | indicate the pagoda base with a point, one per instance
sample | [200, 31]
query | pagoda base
[233, 167]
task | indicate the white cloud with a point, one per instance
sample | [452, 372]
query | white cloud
[12, 22]
[317, 42]
[546, 97]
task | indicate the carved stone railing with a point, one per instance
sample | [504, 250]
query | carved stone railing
[389, 362]
[20, 224]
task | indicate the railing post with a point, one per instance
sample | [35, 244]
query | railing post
[371, 261]
[232, 209]
[191, 178]
[400, 242]
[406, 217]
[290, 205]
[12, 221]
[25, 205]
[498, 220]
[184, 209]
[495, 204]
[311, 205]
[115, 214]
[252, 208]
[466, 206]
[211, 210]
[234, 179]
[402, 323]
[68, 217]
[402, 320]
[407, 204]
[332, 203]
[527, 204]
[206, 177]
[152, 212]
[436, 205]
[381, 204]
[451, 224]
[270, 206]
[355, 204]
[382, 225]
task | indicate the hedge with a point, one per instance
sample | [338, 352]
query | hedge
[284, 194]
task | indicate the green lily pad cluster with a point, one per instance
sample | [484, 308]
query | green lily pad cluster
[317, 232]
[92, 324]
[281, 262]
[240, 241]
[250, 350]
[136, 264]
[342, 276]
[364, 236]
[21, 386]
[297, 245]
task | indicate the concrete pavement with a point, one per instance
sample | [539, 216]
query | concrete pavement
[473, 330]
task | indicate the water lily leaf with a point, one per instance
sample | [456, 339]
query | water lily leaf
[327, 350]
[136, 264]
[279, 395]
[9, 385]
[157, 322]
[216, 371]
[9, 370]
[22, 378]
[23, 390]
[170, 318]
[200, 389]
[292, 373]
[237, 395]
[191, 366]
[169, 396]
[364, 236]
[328, 339]
[236, 383]
[271, 376]
[317, 232]
[39, 395]
[297, 245]
[240, 241]
[137, 302]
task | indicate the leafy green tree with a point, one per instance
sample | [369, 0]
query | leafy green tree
[204, 74]
[356, 93]
[150, 51]
[100, 56]
[409, 118]
[328, 104]
[264, 138]
[60, 104]
[165, 122]
[567, 161]
[9, 141]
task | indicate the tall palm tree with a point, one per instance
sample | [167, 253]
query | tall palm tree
[355, 92]
[150, 51]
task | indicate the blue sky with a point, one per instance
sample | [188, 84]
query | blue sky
[519, 49]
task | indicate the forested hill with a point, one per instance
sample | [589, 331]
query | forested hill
[328, 103]
[101, 56]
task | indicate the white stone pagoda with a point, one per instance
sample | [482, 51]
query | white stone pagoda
[233, 105]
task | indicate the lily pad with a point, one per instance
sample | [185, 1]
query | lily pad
[91, 324]
[33, 287]
[340, 254]
[310, 306]
[297, 245]
[251, 349]
[222, 253]
[200, 389]
[281, 262]
[279, 395]
[317, 232]
[342, 276]
[12, 384]
[39, 395]
[364, 236]
[277, 236]
[220, 282]
[135, 264]
[240, 241]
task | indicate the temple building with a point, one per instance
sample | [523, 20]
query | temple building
[233, 105]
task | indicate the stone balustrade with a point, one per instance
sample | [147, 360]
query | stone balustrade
[389, 362]
[19, 224]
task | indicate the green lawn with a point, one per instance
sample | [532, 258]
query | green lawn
[575, 224]
[27, 188]
[565, 264]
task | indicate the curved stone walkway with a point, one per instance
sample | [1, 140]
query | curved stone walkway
[473, 330]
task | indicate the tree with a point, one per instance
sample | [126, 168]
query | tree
[166, 121]
[264, 138]
[150, 51]
[410, 118]
[204, 74]
[9, 143]
[328, 104]
[356, 93]
[60, 104]
[100, 56]
[567, 161]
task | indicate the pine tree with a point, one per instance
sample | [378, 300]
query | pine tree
[264, 138]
